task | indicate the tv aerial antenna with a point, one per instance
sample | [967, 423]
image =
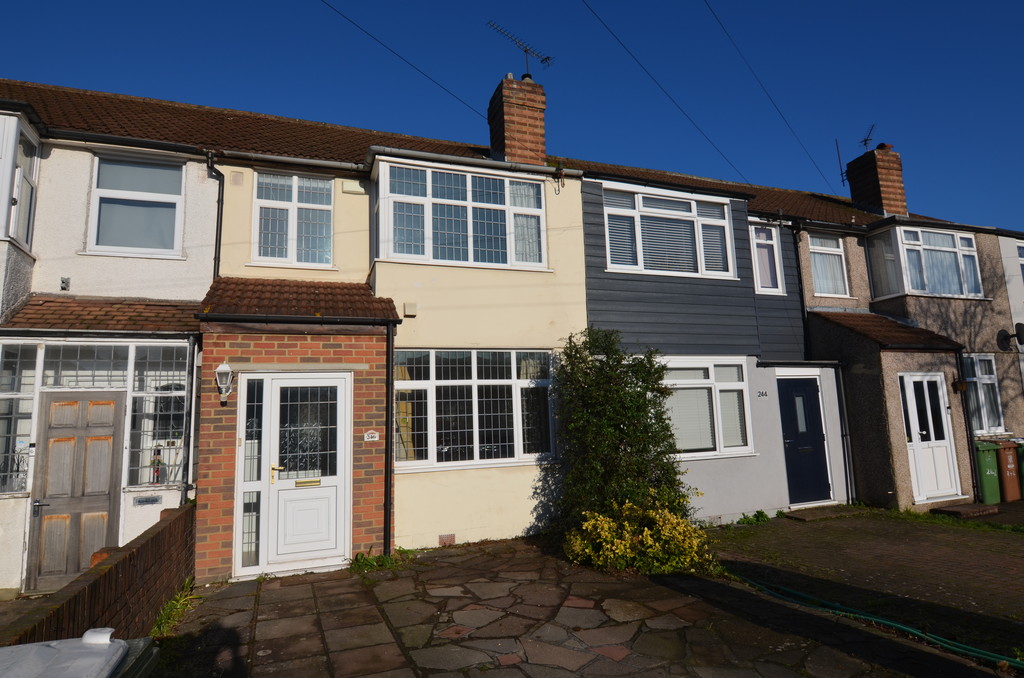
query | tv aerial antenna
[528, 51]
[866, 141]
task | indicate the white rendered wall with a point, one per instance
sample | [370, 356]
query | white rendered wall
[62, 231]
[12, 536]
[136, 519]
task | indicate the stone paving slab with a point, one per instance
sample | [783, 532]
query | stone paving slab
[518, 613]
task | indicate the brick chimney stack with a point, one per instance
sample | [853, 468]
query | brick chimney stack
[876, 181]
[516, 118]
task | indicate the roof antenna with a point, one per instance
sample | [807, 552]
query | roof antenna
[839, 157]
[866, 141]
[527, 50]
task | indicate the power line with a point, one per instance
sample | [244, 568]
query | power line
[665, 91]
[406, 61]
[765, 90]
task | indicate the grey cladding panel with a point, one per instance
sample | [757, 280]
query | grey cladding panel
[677, 315]
[780, 318]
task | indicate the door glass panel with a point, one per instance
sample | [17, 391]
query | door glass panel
[250, 528]
[308, 431]
[253, 430]
[801, 413]
[906, 413]
[921, 407]
[935, 405]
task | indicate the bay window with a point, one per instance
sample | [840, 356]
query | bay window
[667, 232]
[924, 261]
[461, 406]
[434, 214]
[708, 405]
[19, 170]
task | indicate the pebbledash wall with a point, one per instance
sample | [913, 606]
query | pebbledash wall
[217, 455]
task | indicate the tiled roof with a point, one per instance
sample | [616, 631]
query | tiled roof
[889, 333]
[63, 108]
[763, 199]
[52, 312]
[295, 299]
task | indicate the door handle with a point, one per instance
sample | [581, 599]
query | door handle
[36, 506]
[272, 469]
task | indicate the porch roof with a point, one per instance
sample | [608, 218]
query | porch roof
[274, 299]
[99, 314]
[889, 333]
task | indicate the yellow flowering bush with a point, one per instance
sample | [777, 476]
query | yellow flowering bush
[653, 540]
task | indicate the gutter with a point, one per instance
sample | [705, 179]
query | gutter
[92, 334]
[294, 319]
[478, 162]
[287, 160]
[113, 139]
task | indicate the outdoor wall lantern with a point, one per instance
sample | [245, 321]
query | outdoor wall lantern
[224, 376]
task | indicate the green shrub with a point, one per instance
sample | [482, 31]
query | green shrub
[654, 540]
[758, 518]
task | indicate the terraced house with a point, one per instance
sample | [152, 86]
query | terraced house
[340, 340]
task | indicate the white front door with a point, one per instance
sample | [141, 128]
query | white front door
[933, 471]
[294, 475]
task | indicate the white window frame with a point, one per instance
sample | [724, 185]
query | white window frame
[962, 250]
[1020, 256]
[157, 198]
[428, 203]
[640, 210]
[776, 257]
[429, 387]
[12, 129]
[839, 251]
[717, 388]
[292, 207]
[975, 385]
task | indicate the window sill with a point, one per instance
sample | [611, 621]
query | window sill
[771, 293]
[701, 456]
[834, 296]
[670, 274]
[402, 467]
[14, 495]
[926, 295]
[133, 255]
[131, 489]
[466, 264]
[284, 264]
[19, 245]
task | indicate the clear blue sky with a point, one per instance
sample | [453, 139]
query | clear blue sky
[941, 81]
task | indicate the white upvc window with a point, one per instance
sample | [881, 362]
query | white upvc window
[667, 232]
[828, 265]
[440, 214]
[460, 407]
[137, 207]
[19, 172]
[294, 223]
[983, 404]
[941, 262]
[767, 251]
[708, 405]
[1020, 256]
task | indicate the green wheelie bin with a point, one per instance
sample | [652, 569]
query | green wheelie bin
[988, 472]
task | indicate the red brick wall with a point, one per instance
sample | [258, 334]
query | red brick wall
[218, 428]
[516, 118]
[124, 591]
[876, 181]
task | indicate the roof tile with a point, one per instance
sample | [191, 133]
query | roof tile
[889, 333]
[53, 312]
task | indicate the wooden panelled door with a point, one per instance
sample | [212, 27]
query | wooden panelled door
[76, 485]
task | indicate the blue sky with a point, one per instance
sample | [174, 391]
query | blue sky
[941, 82]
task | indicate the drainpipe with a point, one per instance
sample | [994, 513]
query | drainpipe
[389, 445]
[186, 436]
[967, 424]
[795, 232]
[212, 169]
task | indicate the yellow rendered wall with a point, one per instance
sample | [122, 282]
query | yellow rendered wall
[351, 232]
[471, 307]
[472, 504]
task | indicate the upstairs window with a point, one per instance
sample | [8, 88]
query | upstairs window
[671, 233]
[924, 261]
[828, 265]
[941, 263]
[438, 215]
[983, 394]
[767, 259]
[136, 207]
[1020, 256]
[293, 219]
[19, 170]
